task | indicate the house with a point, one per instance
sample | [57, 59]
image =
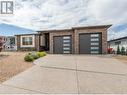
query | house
[2, 41]
[77, 40]
[10, 44]
[121, 42]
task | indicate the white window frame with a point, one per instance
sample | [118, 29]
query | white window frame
[33, 41]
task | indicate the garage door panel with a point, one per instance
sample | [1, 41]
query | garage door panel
[58, 45]
[65, 45]
[84, 43]
[90, 43]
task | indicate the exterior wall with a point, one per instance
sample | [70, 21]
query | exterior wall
[35, 45]
[114, 46]
[64, 33]
[2, 42]
[39, 39]
[103, 31]
[75, 38]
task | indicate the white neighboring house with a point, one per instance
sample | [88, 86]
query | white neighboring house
[10, 44]
[121, 42]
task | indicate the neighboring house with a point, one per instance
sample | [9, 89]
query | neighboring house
[2, 41]
[10, 44]
[121, 42]
[78, 40]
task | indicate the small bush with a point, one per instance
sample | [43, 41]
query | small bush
[29, 58]
[123, 52]
[118, 50]
[35, 56]
[41, 54]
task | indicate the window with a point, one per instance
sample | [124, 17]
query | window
[94, 35]
[94, 52]
[66, 45]
[67, 37]
[66, 52]
[118, 43]
[66, 41]
[94, 43]
[95, 39]
[66, 48]
[27, 41]
[94, 48]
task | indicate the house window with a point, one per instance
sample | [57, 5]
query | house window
[27, 41]
[94, 39]
[94, 35]
[118, 43]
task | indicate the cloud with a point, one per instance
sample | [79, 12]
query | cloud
[49, 14]
[108, 11]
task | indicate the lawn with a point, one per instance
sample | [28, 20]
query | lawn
[121, 58]
[11, 64]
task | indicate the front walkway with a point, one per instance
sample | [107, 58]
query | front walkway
[70, 74]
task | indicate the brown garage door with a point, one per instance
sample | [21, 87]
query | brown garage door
[62, 45]
[90, 43]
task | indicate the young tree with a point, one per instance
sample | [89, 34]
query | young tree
[126, 52]
[118, 50]
[123, 51]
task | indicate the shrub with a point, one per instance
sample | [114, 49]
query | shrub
[41, 54]
[110, 50]
[35, 56]
[118, 50]
[123, 51]
[29, 58]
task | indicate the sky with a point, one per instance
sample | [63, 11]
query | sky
[32, 15]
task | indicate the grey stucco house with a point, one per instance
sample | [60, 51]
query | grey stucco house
[77, 40]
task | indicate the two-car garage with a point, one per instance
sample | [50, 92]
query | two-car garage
[89, 43]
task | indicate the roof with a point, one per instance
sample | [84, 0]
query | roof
[55, 30]
[89, 27]
[73, 28]
[26, 34]
[118, 39]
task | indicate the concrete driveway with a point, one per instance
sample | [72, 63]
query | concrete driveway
[70, 74]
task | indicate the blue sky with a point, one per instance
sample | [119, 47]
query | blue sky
[10, 30]
[32, 15]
